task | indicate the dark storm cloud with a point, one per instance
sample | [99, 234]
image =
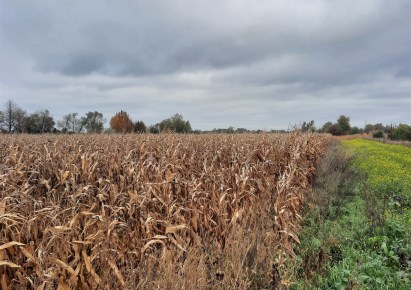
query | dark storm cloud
[256, 63]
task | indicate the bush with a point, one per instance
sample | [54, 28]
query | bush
[402, 132]
[175, 124]
[139, 127]
[378, 134]
[335, 130]
[355, 130]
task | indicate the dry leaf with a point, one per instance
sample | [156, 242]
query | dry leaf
[9, 264]
[117, 272]
[10, 244]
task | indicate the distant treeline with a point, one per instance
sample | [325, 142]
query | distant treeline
[343, 127]
[14, 119]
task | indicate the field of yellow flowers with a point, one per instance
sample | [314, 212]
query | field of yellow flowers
[384, 163]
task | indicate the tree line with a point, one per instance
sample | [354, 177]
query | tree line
[14, 119]
[343, 127]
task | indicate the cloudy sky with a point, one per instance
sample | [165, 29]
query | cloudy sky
[242, 63]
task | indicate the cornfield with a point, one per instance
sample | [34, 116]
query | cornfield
[152, 211]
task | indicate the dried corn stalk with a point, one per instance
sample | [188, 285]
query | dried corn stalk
[150, 211]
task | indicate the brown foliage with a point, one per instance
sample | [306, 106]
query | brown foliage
[121, 123]
[151, 211]
[354, 136]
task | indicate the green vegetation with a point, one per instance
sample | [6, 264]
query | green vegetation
[357, 229]
[175, 124]
[378, 134]
[402, 132]
[342, 127]
[139, 127]
[14, 119]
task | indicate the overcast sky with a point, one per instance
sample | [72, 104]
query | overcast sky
[258, 64]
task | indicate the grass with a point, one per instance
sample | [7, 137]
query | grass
[356, 231]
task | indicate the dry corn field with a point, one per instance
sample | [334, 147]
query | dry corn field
[152, 211]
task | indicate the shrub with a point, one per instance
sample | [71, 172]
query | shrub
[335, 130]
[355, 130]
[378, 134]
[402, 132]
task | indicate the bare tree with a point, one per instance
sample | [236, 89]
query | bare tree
[1, 120]
[13, 117]
[20, 119]
[9, 121]
[71, 123]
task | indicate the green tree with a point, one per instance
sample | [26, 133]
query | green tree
[140, 127]
[402, 132]
[369, 128]
[175, 124]
[241, 130]
[305, 127]
[344, 123]
[374, 127]
[39, 122]
[326, 127]
[93, 122]
[378, 134]
[230, 130]
[335, 130]
[154, 129]
[355, 130]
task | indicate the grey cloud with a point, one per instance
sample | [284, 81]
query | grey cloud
[142, 39]
[221, 62]
[404, 72]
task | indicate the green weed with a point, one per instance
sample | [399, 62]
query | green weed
[356, 231]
